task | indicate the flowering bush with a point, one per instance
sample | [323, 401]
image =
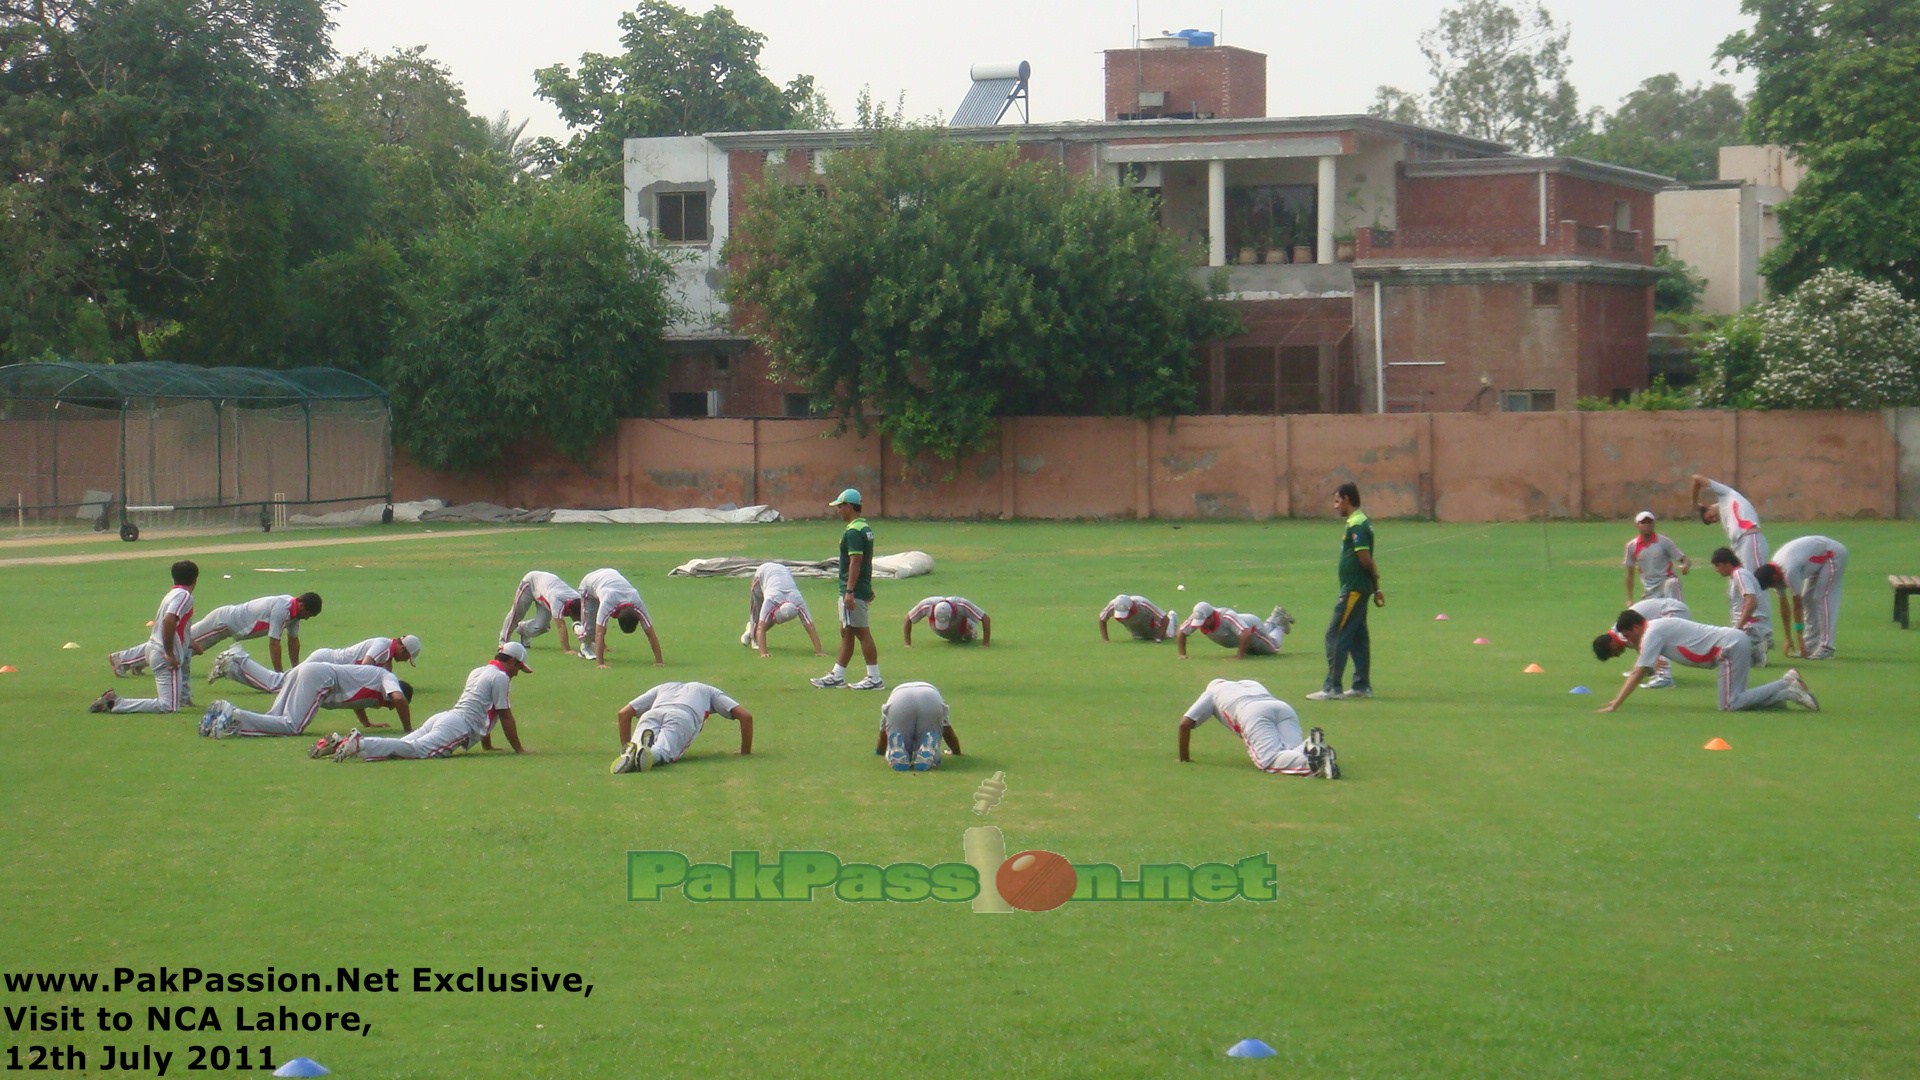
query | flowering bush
[1839, 341]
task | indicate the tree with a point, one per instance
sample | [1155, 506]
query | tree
[942, 285]
[681, 74]
[543, 315]
[1498, 73]
[1667, 128]
[1836, 81]
[1840, 341]
[1678, 290]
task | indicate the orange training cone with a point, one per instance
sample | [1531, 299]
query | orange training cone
[1717, 744]
[1533, 669]
[1481, 641]
[7, 669]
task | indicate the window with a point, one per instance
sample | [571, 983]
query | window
[1527, 401]
[1622, 216]
[687, 404]
[681, 216]
[796, 405]
[722, 364]
[1546, 294]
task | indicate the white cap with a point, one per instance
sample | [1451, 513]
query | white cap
[1201, 612]
[411, 643]
[1644, 515]
[942, 615]
[1122, 606]
[513, 650]
[785, 611]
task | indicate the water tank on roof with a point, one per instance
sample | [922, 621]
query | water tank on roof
[1196, 39]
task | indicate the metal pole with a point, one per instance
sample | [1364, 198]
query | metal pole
[306, 407]
[219, 457]
[389, 448]
[55, 499]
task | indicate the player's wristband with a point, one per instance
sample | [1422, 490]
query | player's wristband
[1799, 626]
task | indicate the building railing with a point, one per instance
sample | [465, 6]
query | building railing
[1563, 238]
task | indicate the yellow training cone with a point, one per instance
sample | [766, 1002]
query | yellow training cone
[1717, 744]
[1533, 669]
[71, 645]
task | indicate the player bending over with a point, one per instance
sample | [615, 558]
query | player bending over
[1269, 727]
[658, 726]
[912, 724]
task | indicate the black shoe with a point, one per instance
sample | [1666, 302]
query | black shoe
[1320, 756]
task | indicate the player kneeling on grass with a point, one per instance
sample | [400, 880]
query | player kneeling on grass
[1697, 645]
[168, 651]
[485, 701]
[310, 687]
[1141, 616]
[1660, 607]
[912, 724]
[772, 599]
[1269, 727]
[953, 618]
[658, 726]
[237, 665]
[1231, 630]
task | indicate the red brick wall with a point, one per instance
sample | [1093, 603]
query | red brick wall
[1613, 324]
[1229, 82]
[1490, 330]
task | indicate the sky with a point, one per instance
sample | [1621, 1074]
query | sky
[1324, 58]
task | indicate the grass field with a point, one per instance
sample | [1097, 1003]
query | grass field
[1504, 884]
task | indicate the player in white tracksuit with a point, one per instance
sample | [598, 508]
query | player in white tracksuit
[913, 724]
[1811, 571]
[310, 687]
[271, 617]
[953, 618]
[167, 651]
[1660, 607]
[1736, 515]
[485, 701]
[1655, 559]
[772, 599]
[235, 664]
[658, 726]
[1269, 727]
[1232, 630]
[604, 596]
[1746, 602]
[1142, 617]
[541, 598]
[1698, 645]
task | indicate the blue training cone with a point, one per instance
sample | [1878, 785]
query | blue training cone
[1579, 690]
[1251, 1048]
[302, 1067]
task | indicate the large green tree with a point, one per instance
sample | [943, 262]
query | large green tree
[542, 316]
[679, 74]
[941, 285]
[1499, 72]
[1667, 127]
[140, 145]
[1836, 81]
[1839, 341]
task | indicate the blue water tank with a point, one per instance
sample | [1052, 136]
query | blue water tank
[1196, 39]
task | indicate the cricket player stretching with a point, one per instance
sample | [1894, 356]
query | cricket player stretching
[1697, 645]
[606, 595]
[1230, 629]
[954, 618]
[1812, 570]
[1269, 727]
[381, 652]
[856, 596]
[310, 687]
[1142, 618]
[658, 726]
[1347, 632]
[546, 596]
[487, 700]
[271, 617]
[1736, 515]
[772, 599]
[1660, 607]
[167, 650]
[1654, 558]
[913, 723]
[1747, 607]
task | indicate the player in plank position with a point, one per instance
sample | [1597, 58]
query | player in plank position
[1812, 571]
[546, 596]
[1735, 514]
[1141, 616]
[271, 617]
[658, 726]
[381, 652]
[954, 618]
[310, 687]
[1660, 607]
[1655, 558]
[772, 599]
[604, 596]
[485, 701]
[167, 651]
[913, 723]
[1748, 608]
[1697, 645]
[1230, 629]
[1269, 727]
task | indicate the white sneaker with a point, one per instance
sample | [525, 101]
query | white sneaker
[1325, 695]
[1658, 682]
[1356, 694]
[637, 757]
[349, 747]
[1797, 689]
[326, 745]
[829, 680]
[871, 682]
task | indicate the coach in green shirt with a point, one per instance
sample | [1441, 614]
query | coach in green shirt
[856, 593]
[1347, 634]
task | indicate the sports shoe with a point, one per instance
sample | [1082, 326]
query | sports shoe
[120, 671]
[225, 723]
[1320, 756]
[630, 758]
[103, 702]
[218, 670]
[746, 636]
[1285, 620]
[349, 747]
[1357, 693]
[829, 680]
[871, 682]
[210, 720]
[1325, 695]
[585, 652]
[897, 751]
[1657, 682]
[928, 753]
[648, 759]
[1797, 689]
[326, 745]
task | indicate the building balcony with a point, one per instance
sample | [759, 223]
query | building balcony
[1274, 281]
[1564, 238]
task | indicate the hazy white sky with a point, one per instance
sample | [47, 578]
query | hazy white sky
[1323, 58]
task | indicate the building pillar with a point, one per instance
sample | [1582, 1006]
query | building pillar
[1323, 248]
[1216, 213]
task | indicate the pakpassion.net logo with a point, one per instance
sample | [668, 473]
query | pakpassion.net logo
[988, 879]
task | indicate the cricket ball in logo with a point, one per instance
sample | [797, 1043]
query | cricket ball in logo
[1036, 880]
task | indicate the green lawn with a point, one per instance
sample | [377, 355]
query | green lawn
[1504, 884]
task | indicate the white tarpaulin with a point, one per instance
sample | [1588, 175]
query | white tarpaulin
[904, 564]
[745, 515]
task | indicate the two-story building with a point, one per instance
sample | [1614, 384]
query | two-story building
[1375, 266]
